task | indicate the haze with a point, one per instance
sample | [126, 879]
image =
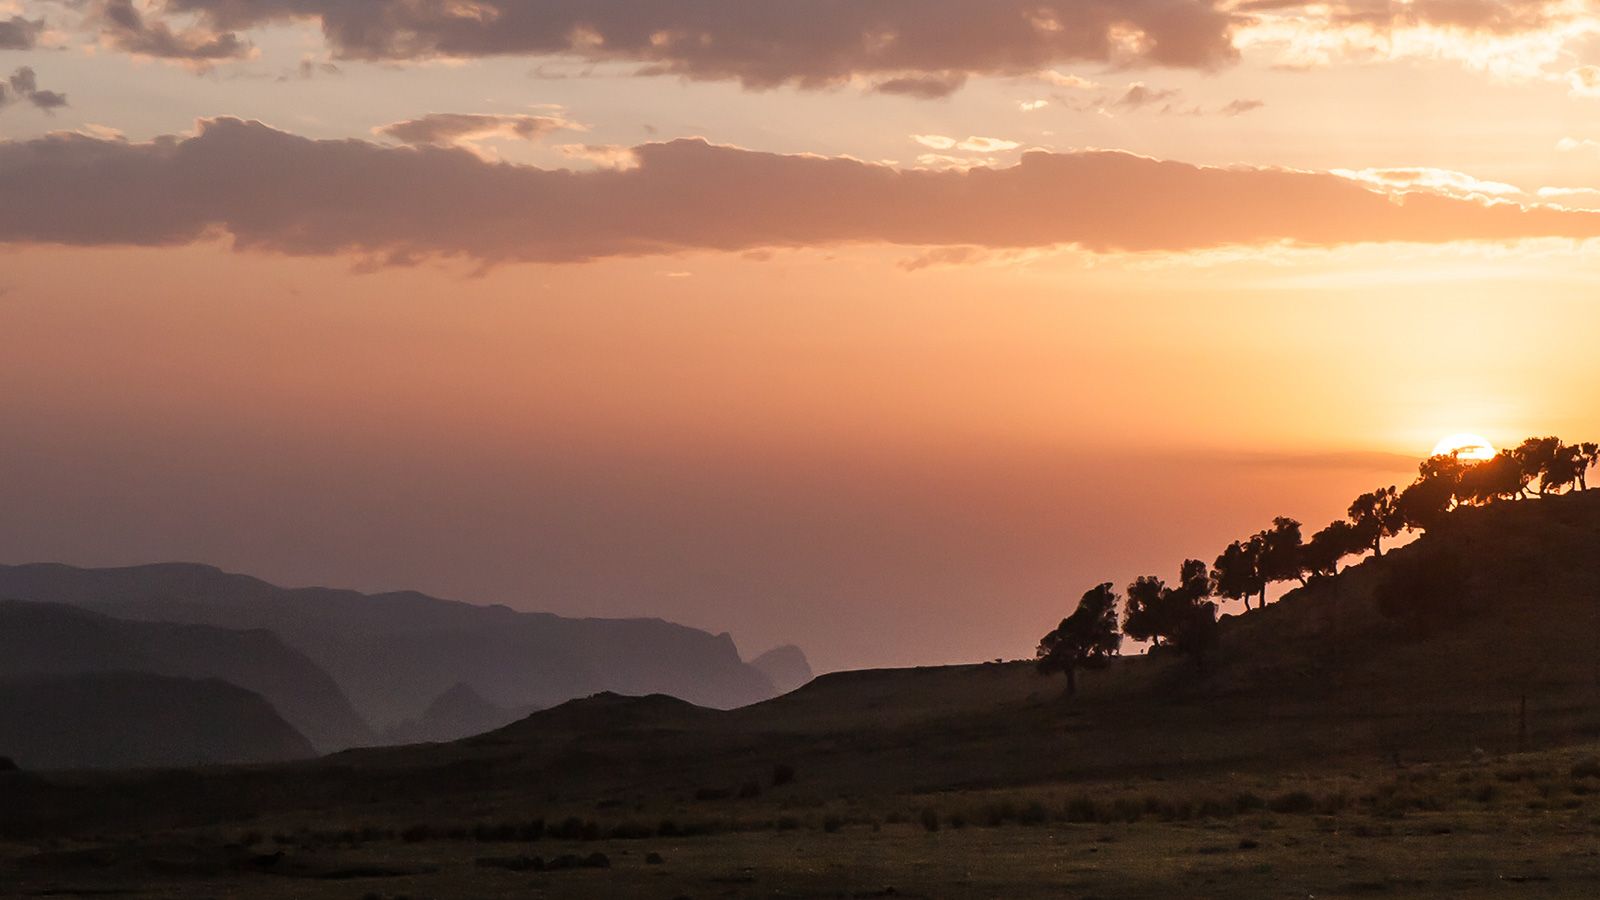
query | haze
[882, 352]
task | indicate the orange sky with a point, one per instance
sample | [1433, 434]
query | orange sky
[892, 362]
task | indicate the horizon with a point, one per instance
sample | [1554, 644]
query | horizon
[882, 335]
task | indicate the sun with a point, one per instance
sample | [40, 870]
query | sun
[1464, 446]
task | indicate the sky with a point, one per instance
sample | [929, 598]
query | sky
[882, 327]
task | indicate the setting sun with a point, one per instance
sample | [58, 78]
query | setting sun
[1464, 446]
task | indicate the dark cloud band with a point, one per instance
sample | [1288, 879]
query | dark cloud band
[273, 191]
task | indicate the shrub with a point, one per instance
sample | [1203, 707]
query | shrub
[632, 831]
[1033, 813]
[930, 819]
[831, 823]
[749, 789]
[1294, 802]
[704, 794]
[1588, 768]
[782, 774]
[1082, 809]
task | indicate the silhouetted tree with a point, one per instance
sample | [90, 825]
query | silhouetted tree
[1561, 470]
[1535, 459]
[1086, 639]
[1280, 552]
[1499, 477]
[1426, 502]
[1181, 617]
[1375, 516]
[1321, 554]
[1588, 456]
[1237, 572]
[1144, 619]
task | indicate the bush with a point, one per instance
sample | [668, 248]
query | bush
[748, 790]
[704, 794]
[1082, 809]
[782, 774]
[1588, 768]
[1033, 813]
[632, 831]
[416, 834]
[831, 824]
[930, 819]
[1294, 802]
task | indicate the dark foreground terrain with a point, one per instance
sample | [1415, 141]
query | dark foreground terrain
[1324, 751]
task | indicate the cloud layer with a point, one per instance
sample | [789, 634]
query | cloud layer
[274, 191]
[914, 47]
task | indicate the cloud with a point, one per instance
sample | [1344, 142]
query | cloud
[922, 48]
[1061, 80]
[973, 144]
[125, 28]
[271, 191]
[23, 86]
[1032, 105]
[447, 129]
[1138, 96]
[606, 156]
[1571, 145]
[1585, 81]
[17, 33]
[1240, 107]
[924, 87]
[1509, 39]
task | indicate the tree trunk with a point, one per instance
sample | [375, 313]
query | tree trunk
[1377, 546]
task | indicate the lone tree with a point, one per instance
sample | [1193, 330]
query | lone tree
[1321, 554]
[1236, 574]
[1086, 639]
[1281, 557]
[1376, 515]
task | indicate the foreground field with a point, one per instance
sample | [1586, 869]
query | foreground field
[1523, 825]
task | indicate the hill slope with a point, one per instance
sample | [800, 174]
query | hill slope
[49, 639]
[139, 720]
[1319, 679]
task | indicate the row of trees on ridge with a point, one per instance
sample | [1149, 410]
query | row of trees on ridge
[1182, 616]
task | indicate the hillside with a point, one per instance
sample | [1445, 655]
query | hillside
[1318, 705]
[49, 639]
[392, 653]
[137, 720]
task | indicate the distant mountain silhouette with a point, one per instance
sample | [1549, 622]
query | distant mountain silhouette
[50, 639]
[786, 667]
[392, 653]
[138, 720]
[457, 713]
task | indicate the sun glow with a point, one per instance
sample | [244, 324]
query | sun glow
[1464, 446]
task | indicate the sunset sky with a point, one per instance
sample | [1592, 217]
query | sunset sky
[884, 327]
